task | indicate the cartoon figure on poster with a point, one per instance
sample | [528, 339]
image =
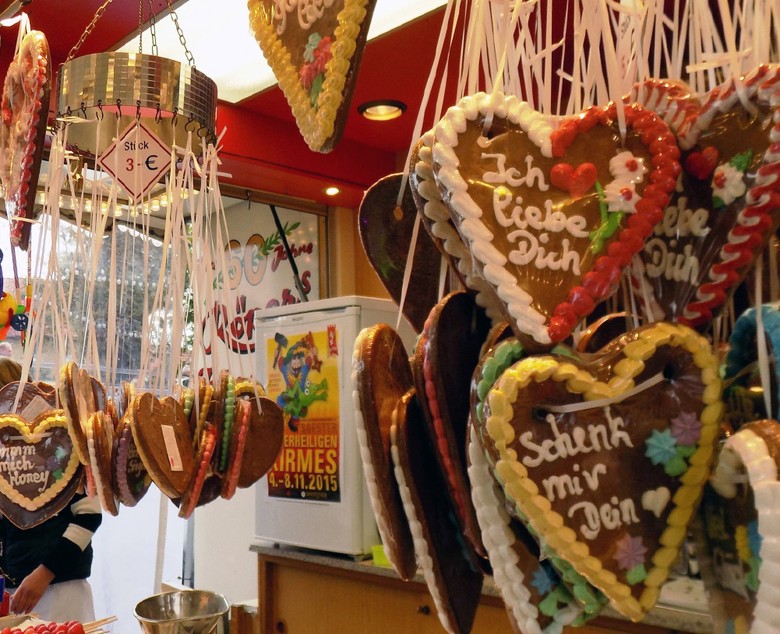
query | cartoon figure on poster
[295, 364]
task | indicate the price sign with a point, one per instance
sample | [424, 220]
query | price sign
[138, 159]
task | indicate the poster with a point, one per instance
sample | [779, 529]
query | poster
[259, 276]
[303, 379]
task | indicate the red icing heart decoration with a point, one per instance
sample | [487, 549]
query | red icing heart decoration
[575, 181]
[728, 200]
[25, 106]
[550, 256]
[702, 164]
[605, 456]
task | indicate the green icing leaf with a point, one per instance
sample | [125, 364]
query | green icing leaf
[717, 202]
[316, 87]
[675, 467]
[637, 574]
[752, 578]
[685, 451]
[742, 161]
[57, 475]
[549, 606]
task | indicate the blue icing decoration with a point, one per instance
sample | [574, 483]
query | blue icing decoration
[544, 580]
[754, 539]
[661, 447]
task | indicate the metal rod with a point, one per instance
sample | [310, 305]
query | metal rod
[290, 257]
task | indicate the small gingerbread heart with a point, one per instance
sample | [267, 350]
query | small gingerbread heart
[576, 443]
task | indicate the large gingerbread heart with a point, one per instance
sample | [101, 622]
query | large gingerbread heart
[314, 51]
[39, 471]
[552, 209]
[727, 204]
[739, 531]
[25, 107]
[605, 456]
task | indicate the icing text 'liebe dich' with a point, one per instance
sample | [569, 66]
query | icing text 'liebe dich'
[510, 212]
[595, 438]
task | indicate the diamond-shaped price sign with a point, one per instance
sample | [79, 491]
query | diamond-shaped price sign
[138, 159]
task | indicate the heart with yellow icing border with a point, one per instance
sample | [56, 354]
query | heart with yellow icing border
[314, 52]
[38, 467]
[549, 249]
[577, 441]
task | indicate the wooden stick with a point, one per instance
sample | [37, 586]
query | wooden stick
[94, 626]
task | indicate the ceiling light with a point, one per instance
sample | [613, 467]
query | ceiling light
[332, 190]
[226, 50]
[382, 110]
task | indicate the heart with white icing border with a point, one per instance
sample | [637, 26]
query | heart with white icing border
[550, 256]
[314, 52]
[575, 443]
[25, 107]
[39, 471]
[739, 531]
[727, 204]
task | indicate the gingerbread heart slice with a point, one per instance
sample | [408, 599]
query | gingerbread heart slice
[453, 582]
[164, 441]
[738, 533]
[386, 231]
[25, 109]
[551, 252]
[446, 354]
[380, 377]
[577, 444]
[39, 471]
[315, 54]
[727, 204]
[100, 444]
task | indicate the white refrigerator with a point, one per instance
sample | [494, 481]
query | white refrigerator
[315, 496]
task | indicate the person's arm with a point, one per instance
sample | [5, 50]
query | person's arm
[62, 556]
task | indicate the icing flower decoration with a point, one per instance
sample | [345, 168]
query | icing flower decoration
[727, 185]
[754, 539]
[627, 168]
[316, 54]
[661, 447]
[686, 428]
[543, 579]
[630, 552]
[621, 196]
[742, 543]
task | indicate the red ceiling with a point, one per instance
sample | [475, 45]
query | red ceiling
[262, 147]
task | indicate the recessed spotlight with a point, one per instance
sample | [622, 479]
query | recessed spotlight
[382, 110]
[332, 190]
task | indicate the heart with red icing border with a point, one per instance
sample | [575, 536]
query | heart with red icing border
[25, 106]
[549, 256]
[576, 444]
[39, 471]
[728, 201]
[315, 55]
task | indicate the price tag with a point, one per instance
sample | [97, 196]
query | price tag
[138, 159]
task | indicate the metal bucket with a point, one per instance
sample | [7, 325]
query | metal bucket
[184, 612]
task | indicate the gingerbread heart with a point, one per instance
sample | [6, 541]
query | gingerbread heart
[576, 443]
[130, 475]
[164, 441]
[25, 108]
[550, 256]
[39, 471]
[738, 532]
[264, 438]
[314, 52]
[380, 377]
[386, 231]
[100, 444]
[727, 204]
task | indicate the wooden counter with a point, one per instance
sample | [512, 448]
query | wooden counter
[304, 592]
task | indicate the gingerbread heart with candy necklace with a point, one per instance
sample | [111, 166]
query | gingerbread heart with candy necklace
[727, 204]
[605, 455]
[553, 209]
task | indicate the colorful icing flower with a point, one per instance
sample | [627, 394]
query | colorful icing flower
[322, 54]
[630, 552]
[544, 579]
[752, 581]
[661, 447]
[621, 196]
[727, 185]
[308, 74]
[686, 428]
[627, 168]
[742, 543]
[311, 46]
[754, 539]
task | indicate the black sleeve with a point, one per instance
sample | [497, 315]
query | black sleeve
[66, 551]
